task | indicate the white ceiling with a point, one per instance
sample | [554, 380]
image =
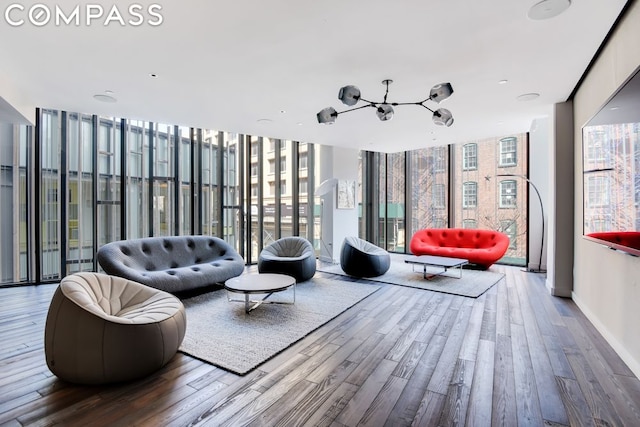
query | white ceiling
[230, 65]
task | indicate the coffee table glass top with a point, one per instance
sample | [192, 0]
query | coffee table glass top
[440, 261]
[444, 263]
[263, 283]
[259, 283]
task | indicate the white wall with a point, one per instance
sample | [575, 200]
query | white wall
[607, 283]
[339, 163]
[561, 202]
[539, 142]
[13, 107]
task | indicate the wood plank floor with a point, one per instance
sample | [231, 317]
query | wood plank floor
[403, 356]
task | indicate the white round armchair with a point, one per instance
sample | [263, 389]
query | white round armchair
[104, 329]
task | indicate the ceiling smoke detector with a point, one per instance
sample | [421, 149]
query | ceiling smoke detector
[547, 9]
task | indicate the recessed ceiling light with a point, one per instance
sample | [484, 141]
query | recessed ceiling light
[547, 9]
[104, 98]
[528, 96]
[264, 121]
[108, 92]
[501, 82]
[614, 108]
[283, 111]
[299, 123]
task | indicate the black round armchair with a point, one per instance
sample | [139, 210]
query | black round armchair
[293, 256]
[360, 258]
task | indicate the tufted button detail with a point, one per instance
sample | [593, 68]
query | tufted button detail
[125, 250]
[215, 264]
[171, 272]
[191, 244]
[150, 267]
[145, 249]
[195, 268]
[174, 264]
[167, 245]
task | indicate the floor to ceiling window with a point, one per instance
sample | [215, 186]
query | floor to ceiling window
[490, 192]
[478, 184]
[15, 198]
[80, 192]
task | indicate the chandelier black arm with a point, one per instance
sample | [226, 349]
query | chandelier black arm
[426, 107]
[357, 108]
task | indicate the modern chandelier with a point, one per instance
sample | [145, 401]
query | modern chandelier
[350, 95]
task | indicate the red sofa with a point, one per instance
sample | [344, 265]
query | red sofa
[480, 247]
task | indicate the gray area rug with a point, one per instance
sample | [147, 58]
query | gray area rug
[472, 284]
[221, 333]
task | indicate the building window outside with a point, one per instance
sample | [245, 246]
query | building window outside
[601, 224]
[303, 186]
[254, 190]
[469, 223]
[598, 147]
[283, 164]
[438, 223]
[440, 159]
[283, 187]
[470, 157]
[469, 195]
[272, 188]
[598, 188]
[254, 169]
[510, 228]
[272, 166]
[254, 148]
[439, 196]
[508, 194]
[302, 161]
[508, 151]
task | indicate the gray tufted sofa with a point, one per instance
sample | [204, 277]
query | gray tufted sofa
[293, 256]
[172, 264]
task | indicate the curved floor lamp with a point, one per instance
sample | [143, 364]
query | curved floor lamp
[532, 270]
[323, 189]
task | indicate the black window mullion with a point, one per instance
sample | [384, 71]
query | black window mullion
[247, 200]
[150, 212]
[241, 194]
[261, 180]
[177, 182]
[124, 175]
[295, 188]
[220, 185]
[37, 189]
[311, 187]
[451, 194]
[63, 192]
[277, 223]
[94, 184]
[408, 200]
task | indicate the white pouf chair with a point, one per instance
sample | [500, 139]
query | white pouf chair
[104, 329]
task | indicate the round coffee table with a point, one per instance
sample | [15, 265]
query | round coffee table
[265, 283]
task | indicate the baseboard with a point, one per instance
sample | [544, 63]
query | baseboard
[554, 291]
[627, 358]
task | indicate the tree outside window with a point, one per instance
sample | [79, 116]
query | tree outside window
[510, 228]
